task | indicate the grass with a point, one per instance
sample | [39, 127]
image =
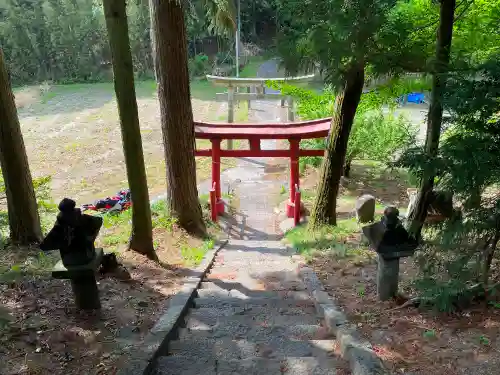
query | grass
[200, 89]
[305, 241]
[194, 255]
[82, 123]
[340, 241]
[116, 231]
[252, 67]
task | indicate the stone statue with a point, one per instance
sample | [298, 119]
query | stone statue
[73, 234]
[391, 241]
[388, 235]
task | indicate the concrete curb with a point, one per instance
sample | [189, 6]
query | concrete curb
[362, 359]
[142, 356]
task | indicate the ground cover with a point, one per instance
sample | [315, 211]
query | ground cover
[411, 341]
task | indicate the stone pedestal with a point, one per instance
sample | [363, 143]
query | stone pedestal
[387, 278]
[86, 293]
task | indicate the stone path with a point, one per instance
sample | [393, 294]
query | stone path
[253, 314]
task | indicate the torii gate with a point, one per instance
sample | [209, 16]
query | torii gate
[254, 133]
[259, 87]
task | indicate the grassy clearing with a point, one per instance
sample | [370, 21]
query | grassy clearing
[168, 238]
[336, 242]
[172, 244]
[388, 186]
[79, 122]
[252, 67]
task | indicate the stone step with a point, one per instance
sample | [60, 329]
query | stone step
[210, 365]
[276, 348]
[238, 302]
[253, 332]
[200, 320]
[245, 282]
[259, 314]
[214, 290]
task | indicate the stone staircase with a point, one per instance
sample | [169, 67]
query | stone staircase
[252, 316]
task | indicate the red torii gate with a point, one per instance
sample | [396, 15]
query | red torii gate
[254, 133]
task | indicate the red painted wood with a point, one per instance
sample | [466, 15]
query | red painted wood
[296, 211]
[260, 153]
[213, 203]
[294, 167]
[216, 166]
[298, 130]
[254, 144]
[294, 132]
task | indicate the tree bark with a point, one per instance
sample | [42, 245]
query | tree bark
[141, 238]
[435, 116]
[24, 221]
[152, 37]
[170, 51]
[324, 209]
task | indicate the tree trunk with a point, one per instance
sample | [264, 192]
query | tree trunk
[24, 221]
[324, 209]
[152, 37]
[141, 239]
[347, 168]
[170, 50]
[435, 116]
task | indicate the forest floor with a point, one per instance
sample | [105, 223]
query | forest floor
[72, 133]
[409, 340]
[41, 332]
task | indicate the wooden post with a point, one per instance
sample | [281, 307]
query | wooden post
[230, 112]
[296, 216]
[86, 292]
[294, 175]
[216, 166]
[219, 204]
[249, 90]
[387, 278]
[290, 116]
[213, 203]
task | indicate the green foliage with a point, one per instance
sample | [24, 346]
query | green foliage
[46, 207]
[194, 255]
[464, 247]
[66, 41]
[376, 134]
[325, 238]
[336, 35]
[199, 66]
[161, 216]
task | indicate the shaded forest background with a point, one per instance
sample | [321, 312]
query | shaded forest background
[65, 41]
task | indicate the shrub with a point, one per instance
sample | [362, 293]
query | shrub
[375, 135]
[463, 254]
[199, 66]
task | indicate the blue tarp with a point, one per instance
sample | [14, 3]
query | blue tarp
[415, 97]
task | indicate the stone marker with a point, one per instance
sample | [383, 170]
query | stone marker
[365, 208]
[391, 241]
[73, 235]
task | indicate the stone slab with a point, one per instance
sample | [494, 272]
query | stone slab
[142, 358]
[238, 302]
[60, 271]
[362, 359]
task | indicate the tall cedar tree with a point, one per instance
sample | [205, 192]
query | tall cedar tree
[171, 62]
[344, 38]
[24, 221]
[435, 115]
[141, 239]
